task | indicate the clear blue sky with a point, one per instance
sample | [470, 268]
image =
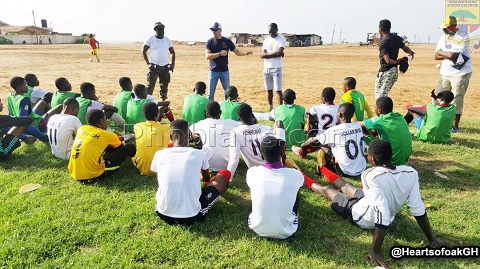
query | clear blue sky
[126, 20]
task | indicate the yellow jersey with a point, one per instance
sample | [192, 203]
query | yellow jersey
[151, 136]
[86, 160]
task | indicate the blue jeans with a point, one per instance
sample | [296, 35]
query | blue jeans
[213, 80]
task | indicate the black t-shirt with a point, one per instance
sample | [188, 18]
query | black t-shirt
[214, 45]
[390, 45]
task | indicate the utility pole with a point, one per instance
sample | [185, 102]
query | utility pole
[35, 24]
[340, 38]
[333, 33]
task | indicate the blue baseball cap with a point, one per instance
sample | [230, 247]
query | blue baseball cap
[216, 26]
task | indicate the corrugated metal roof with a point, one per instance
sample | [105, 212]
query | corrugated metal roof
[16, 29]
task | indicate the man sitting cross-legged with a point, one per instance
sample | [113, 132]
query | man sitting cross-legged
[390, 126]
[434, 124]
[385, 189]
[88, 162]
[180, 197]
[135, 107]
[274, 189]
[150, 137]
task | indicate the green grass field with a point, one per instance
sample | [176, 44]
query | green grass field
[112, 224]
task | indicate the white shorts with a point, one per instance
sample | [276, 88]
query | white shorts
[273, 79]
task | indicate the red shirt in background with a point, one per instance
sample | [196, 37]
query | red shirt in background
[93, 42]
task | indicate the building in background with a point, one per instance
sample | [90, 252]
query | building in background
[293, 40]
[33, 35]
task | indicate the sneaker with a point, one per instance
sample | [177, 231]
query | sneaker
[298, 151]
[29, 139]
[454, 130]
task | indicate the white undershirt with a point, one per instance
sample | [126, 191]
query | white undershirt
[159, 49]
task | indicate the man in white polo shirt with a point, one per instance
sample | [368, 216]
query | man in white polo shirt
[158, 65]
[62, 129]
[456, 68]
[272, 53]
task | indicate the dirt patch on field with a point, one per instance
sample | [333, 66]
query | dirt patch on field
[306, 70]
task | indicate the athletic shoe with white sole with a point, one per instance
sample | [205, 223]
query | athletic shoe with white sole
[298, 151]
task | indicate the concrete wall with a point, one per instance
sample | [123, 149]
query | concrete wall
[31, 39]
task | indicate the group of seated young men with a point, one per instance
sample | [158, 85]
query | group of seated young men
[77, 130]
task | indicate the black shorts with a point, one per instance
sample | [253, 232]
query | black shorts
[207, 199]
[332, 164]
[8, 144]
[342, 203]
[96, 179]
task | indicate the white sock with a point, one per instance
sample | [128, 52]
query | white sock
[118, 119]
[280, 133]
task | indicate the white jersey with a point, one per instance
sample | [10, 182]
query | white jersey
[346, 142]
[273, 194]
[36, 95]
[326, 114]
[151, 98]
[62, 129]
[178, 173]
[450, 68]
[215, 136]
[385, 193]
[159, 49]
[246, 139]
[95, 105]
[273, 45]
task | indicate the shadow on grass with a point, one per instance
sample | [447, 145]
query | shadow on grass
[33, 158]
[466, 142]
[461, 178]
[322, 233]
[128, 179]
[406, 228]
[469, 130]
